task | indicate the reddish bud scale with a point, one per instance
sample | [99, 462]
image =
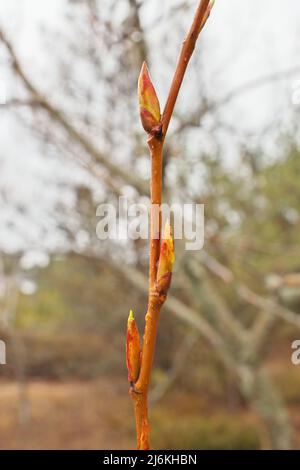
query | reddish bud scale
[148, 101]
[133, 349]
[166, 260]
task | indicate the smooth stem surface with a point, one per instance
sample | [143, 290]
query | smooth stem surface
[156, 149]
[183, 60]
[139, 392]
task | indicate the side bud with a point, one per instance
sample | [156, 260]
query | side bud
[133, 349]
[148, 101]
[166, 261]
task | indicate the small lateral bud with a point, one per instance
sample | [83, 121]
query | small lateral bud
[148, 101]
[166, 260]
[133, 349]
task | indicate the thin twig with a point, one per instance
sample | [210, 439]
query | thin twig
[184, 57]
[157, 134]
[39, 100]
[246, 294]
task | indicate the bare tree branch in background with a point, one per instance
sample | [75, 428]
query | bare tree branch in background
[38, 100]
[246, 294]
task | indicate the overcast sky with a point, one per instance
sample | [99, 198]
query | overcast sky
[247, 39]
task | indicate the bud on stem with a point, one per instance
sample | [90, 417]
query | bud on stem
[133, 349]
[166, 260]
[148, 101]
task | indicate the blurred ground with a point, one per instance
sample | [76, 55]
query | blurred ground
[78, 415]
[97, 414]
[70, 415]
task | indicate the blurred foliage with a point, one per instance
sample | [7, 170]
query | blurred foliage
[257, 209]
[75, 292]
[217, 432]
[288, 382]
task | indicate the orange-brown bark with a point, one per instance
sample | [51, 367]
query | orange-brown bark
[155, 301]
[157, 294]
[183, 60]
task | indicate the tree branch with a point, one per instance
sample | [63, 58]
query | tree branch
[246, 294]
[157, 127]
[183, 60]
[39, 100]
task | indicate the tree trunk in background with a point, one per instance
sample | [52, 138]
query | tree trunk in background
[21, 378]
[262, 396]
